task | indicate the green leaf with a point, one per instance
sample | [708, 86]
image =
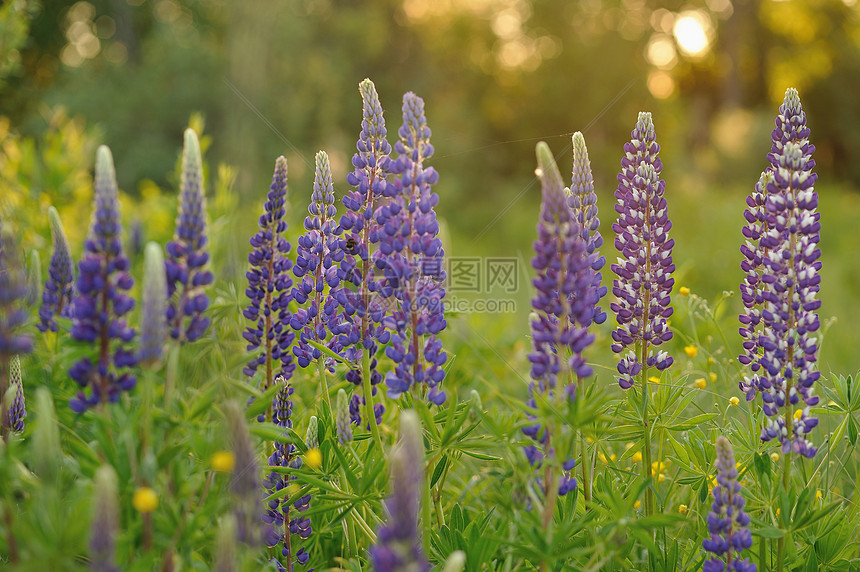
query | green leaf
[261, 404]
[693, 422]
[769, 532]
[852, 430]
[440, 468]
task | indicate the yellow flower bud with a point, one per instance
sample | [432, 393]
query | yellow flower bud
[654, 379]
[818, 495]
[313, 458]
[661, 477]
[691, 351]
[637, 457]
[734, 401]
[711, 360]
[774, 457]
[798, 413]
[144, 500]
[684, 291]
[637, 504]
[223, 461]
[713, 377]
[701, 383]
[682, 509]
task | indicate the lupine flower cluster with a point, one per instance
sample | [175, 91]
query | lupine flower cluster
[278, 511]
[16, 412]
[13, 290]
[398, 544]
[582, 201]
[564, 305]
[751, 288]
[727, 521]
[153, 326]
[269, 286]
[318, 255]
[644, 269]
[362, 309]
[57, 292]
[105, 523]
[411, 259]
[787, 229]
[100, 303]
[187, 275]
[245, 484]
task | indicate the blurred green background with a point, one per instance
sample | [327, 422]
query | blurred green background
[268, 77]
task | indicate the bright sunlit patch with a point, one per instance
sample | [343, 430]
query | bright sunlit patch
[660, 84]
[692, 31]
[661, 51]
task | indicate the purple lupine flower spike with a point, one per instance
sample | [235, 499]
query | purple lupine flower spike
[582, 200]
[318, 255]
[790, 284]
[13, 290]
[411, 258]
[186, 267]
[559, 321]
[398, 544]
[727, 521]
[286, 525]
[269, 285]
[105, 523]
[752, 287]
[362, 328]
[16, 412]
[644, 270]
[245, 484]
[153, 326]
[57, 293]
[34, 278]
[99, 307]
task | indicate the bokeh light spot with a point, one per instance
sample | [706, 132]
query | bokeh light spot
[692, 30]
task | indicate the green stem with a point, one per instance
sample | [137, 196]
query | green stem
[586, 470]
[786, 475]
[324, 382]
[368, 399]
[646, 441]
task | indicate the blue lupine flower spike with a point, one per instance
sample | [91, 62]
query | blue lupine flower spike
[411, 259]
[57, 292]
[187, 262]
[727, 521]
[644, 280]
[398, 544]
[100, 304]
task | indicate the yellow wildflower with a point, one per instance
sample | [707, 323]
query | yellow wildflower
[602, 458]
[144, 500]
[734, 401]
[637, 457]
[612, 457]
[818, 495]
[682, 509]
[691, 351]
[684, 291]
[711, 360]
[798, 413]
[774, 457]
[637, 504]
[313, 458]
[223, 461]
[701, 383]
[654, 379]
[713, 377]
[661, 477]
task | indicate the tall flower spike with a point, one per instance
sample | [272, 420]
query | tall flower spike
[187, 273]
[563, 306]
[644, 270]
[751, 288]
[105, 523]
[362, 310]
[727, 521]
[13, 290]
[245, 484]
[318, 255]
[100, 303]
[34, 277]
[790, 284]
[57, 293]
[269, 286]
[411, 259]
[398, 545]
[153, 327]
[342, 418]
[287, 526]
[582, 200]
[16, 412]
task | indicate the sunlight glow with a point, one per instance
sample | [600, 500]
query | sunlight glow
[692, 30]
